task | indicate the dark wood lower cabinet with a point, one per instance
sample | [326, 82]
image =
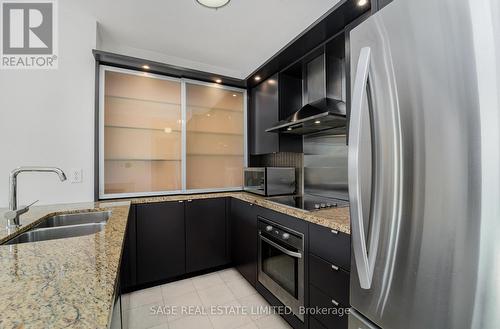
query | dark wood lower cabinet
[330, 278]
[128, 269]
[315, 324]
[161, 241]
[166, 240]
[206, 234]
[244, 238]
[337, 316]
[331, 245]
[116, 316]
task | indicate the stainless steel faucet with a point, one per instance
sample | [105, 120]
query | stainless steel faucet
[14, 212]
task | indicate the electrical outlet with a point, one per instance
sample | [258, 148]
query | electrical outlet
[76, 175]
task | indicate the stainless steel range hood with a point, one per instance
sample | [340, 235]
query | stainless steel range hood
[323, 114]
[323, 108]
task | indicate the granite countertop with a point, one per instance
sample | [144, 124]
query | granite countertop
[333, 218]
[66, 282]
[71, 282]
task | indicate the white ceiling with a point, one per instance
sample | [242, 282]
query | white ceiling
[234, 40]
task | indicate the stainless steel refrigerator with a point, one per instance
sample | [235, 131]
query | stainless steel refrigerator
[424, 166]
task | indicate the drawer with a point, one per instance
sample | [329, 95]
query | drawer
[338, 317]
[329, 278]
[331, 245]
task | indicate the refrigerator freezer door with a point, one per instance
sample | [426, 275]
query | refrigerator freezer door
[416, 201]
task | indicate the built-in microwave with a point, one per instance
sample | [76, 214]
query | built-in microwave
[269, 181]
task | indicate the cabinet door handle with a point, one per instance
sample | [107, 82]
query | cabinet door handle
[335, 231]
[334, 302]
[336, 268]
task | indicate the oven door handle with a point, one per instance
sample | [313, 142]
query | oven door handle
[280, 248]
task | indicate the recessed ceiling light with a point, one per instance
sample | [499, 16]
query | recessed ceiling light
[215, 4]
[234, 95]
[218, 80]
[146, 67]
[362, 3]
[289, 128]
[317, 122]
[257, 78]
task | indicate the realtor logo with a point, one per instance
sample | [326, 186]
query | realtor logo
[28, 34]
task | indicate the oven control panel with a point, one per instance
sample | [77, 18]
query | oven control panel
[280, 233]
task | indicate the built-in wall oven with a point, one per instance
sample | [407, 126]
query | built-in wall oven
[281, 264]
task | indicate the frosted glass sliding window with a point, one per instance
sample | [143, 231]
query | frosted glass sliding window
[161, 135]
[142, 133]
[214, 137]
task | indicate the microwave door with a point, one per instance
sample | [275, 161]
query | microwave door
[255, 180]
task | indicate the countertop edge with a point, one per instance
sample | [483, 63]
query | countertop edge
[334, 218]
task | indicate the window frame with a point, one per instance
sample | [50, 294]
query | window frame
[100, 154]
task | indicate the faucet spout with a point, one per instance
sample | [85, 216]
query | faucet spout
[13, 188]
[60, 173]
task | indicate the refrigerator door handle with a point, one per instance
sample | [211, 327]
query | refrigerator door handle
[364, 261]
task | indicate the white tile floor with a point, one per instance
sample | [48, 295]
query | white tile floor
[191, 304]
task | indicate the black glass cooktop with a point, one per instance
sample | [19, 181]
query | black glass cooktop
[309, 202]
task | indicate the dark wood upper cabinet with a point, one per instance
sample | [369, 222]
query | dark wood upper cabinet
[335, 68]
[290, 91]
[344, 13]
[264, 111]
[244, 238]
[272, 100]
[160, 241]
[206, 234]
[315, 78]
[290, 101]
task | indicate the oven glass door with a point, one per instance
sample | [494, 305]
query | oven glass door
[280, 267]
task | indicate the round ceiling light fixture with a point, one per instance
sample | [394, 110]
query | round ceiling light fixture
[214, 4]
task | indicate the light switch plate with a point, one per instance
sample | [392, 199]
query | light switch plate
[76, 175]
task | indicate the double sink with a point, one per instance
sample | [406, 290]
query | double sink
[64, 226]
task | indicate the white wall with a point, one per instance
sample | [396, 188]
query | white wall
[47, 116]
